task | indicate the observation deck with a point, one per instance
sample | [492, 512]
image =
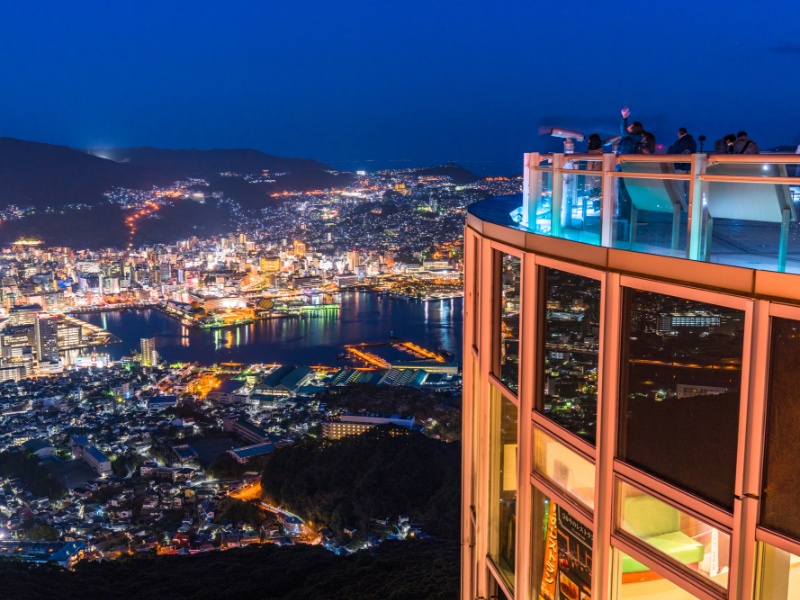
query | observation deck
[728, 222]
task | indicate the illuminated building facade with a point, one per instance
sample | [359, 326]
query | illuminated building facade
[147, 347]
[631, 382]
[357, 424]
[46, 333]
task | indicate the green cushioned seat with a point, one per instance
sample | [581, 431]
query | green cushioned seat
[676, 545]
[658, 525]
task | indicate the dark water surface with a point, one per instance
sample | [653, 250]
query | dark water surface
[365, 317]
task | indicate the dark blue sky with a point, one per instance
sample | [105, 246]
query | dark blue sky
[469, 81]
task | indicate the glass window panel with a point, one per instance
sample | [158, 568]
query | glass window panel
[562, 553]
[679, 404]
[564, 467]
[645, 587]
[503, 485]
[679, 536]
[778, 576]
[509, 321]
[571, 338]
[475, 429]
[781, 483]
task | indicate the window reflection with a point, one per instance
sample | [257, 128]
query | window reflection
[778, 574]
[503, 471]
[564, 467]
[509, 321]
[571, 341]
[781, 484]
[562, 552]
[647, 589]
[674, 534]
[679, 404]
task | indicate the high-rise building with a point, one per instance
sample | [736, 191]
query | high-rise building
[270, 263]
[46, 335]
[353, 260]
[299, 249]
[148, 350]
[631, 382]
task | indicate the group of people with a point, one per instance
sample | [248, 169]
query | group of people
[736, 144]
[634, 139]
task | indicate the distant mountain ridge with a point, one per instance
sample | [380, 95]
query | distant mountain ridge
[41, 175]
[55, 185]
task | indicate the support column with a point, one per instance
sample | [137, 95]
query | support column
[608, 201]
[531, 186]
[696, 206]
[607, 408]
[557, 198]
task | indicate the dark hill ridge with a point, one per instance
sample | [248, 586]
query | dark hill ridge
[395, 570]
[458, 174]
[40, 175]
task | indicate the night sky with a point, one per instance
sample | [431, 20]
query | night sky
[398, 83]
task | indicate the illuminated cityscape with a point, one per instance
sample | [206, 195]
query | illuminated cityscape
[371, 300]
[103, 426]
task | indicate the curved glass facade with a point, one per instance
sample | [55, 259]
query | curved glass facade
[645, 400]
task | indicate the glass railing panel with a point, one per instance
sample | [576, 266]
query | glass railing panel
[651, 212]
[752, 222]
[679, 536]
[748, 223]
[580, 206]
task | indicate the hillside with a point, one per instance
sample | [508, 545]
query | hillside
[382, 472]
[42, 175]
[400, 570]
[458, 174]
[59, 192]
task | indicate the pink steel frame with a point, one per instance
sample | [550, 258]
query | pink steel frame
[479, 574]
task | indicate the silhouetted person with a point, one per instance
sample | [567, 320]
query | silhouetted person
[725, 145]
[595, 144]
[648, 143]
[744, 145]
[595, 147]
[685, 144]
[631, 136]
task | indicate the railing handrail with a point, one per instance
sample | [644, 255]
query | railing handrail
[750, 159]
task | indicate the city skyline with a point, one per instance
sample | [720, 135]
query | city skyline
[360, 86]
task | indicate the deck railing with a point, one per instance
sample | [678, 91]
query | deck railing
[738, 209]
